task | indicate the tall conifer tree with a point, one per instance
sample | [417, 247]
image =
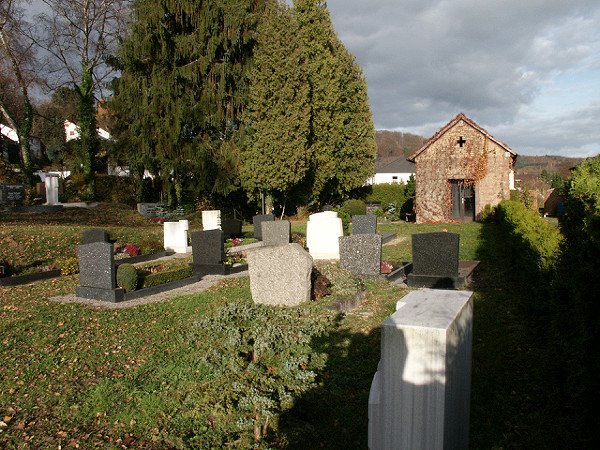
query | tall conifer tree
[276, 155]
[183, 86]
[310, 124]
[342, 137]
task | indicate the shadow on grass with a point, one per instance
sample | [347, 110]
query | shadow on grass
[513, 393]
[335, 415]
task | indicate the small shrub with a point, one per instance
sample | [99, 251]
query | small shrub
[158, 278]
[355, 207]
[150, 246]
[342, 214]
[68, 265]
[127, 277]
[487, 213]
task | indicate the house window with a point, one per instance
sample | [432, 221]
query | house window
[394, 178]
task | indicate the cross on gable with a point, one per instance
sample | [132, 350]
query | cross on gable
[461, 141]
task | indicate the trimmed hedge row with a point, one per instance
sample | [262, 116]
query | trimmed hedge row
[158, 278]
[531, 243]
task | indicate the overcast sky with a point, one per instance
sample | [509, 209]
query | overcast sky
[528, 71]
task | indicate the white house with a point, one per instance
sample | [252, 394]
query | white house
[72, 131]
[10, 151]
[392, 170]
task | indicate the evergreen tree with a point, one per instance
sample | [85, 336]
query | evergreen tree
[183, 87]
[310, 128]
[342, 136]
[276, 155]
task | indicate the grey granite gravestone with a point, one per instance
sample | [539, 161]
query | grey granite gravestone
[277, 232]
[147, 209]
[280, 275]
[257, 221]
[364, 224]
[95, 235]
[231, 227]
[361, 254]
[208, 253]
[97, 273]
[435, 260]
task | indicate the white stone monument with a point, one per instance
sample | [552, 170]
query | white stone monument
[420, 395]
[51, 182]
[322, 232]
[211, 220]
[176, 236]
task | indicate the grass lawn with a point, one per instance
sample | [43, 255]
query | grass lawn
[73, 375]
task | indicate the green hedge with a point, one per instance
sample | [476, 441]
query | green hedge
[387, 194]
[158, 278]
[530, 241]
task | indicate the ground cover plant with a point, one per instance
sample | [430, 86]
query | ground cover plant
[164, 375]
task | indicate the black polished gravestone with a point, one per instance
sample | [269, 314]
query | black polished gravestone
[208, 253]
[257, 222]
[97, 273]
[435, 261]
[231, 227]
[12, 194]
[95, 235]
[364, 224]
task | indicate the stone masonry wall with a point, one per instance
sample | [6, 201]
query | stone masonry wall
[480, 160]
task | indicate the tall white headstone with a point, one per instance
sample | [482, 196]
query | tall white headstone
[176, 236]
[51, 182]
[420, 394]
[211, 220]
[322, 232]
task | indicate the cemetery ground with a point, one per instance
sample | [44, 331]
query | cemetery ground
[77, 376]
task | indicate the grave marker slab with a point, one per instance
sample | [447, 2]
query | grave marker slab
[176, 236]
[435, 260]
[12, 194]
[280, 275]
[94, 235]
[208, 252]
[322, 232]
[276, 232]
[257, 221]
[51, 182]
[211, 220]
[97, 272]
[364, 224]
[231, 227]
[361, 254]
[420, 394]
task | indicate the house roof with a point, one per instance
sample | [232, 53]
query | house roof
[445, 128]
[394, 165]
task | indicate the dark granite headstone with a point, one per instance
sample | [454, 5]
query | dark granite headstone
[361, 253]
[231, 227]
[364, 224]
[97, 272]
[277, 232]
[95, 235]
[208, 252]
[327, 208]
[12, 194]
[435, 260]
[257, 221]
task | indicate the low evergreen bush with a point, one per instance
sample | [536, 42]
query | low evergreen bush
[127, 277]
[158, 278]
[354, 207]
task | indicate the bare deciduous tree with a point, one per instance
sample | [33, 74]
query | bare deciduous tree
[16, 77]
[78, 37]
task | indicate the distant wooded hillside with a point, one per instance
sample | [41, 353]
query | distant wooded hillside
[533, 166]
[396, 143]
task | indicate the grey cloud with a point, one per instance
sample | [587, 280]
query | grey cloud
[427, 60]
